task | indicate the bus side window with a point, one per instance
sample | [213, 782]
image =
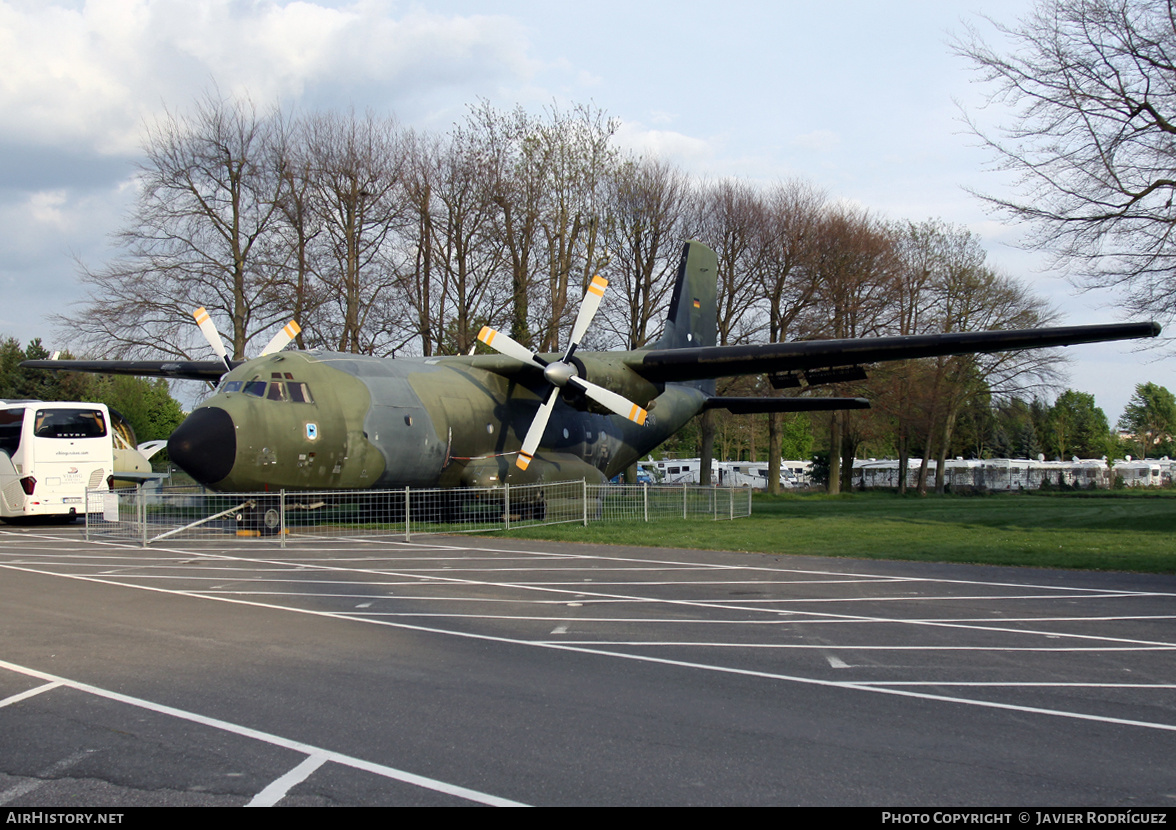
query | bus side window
[11, 421]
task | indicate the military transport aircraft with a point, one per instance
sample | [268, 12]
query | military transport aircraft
[317, 420]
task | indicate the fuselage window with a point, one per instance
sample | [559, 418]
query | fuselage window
[233, 386]
[277, 391]
[256, 388]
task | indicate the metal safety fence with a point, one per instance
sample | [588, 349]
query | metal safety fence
[152, 516]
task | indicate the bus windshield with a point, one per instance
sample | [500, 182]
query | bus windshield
[69, 423]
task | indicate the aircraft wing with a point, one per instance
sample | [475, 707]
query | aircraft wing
[662, 365]
[210, 370]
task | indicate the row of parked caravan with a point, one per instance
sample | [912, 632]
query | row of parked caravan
[996, 474]
[1002, 474]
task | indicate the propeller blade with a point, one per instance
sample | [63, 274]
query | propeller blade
[282, 338]
[505, 344]
[535, 431]
[561, 373]
[208, 329]
[611, 400]
[592, 300]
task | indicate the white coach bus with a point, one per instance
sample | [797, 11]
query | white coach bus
[49, 454]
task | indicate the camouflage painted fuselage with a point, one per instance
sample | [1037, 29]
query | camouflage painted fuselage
[310, 420]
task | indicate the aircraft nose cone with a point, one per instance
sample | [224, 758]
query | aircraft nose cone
[205, 445]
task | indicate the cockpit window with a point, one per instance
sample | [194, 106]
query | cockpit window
[278, 390]
[299, 392]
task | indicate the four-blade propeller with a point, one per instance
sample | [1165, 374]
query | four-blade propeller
[562, 373]
[208, 329]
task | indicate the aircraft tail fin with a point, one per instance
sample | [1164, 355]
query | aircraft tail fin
[693, 315]
[693, 318]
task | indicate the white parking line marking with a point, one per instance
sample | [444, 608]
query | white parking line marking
[273, 740]
[26, 695]
[277, 790]
[598, 597]
[794, 616]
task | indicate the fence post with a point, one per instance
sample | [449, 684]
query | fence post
[505, 506]
[282, 521]
[683, 500]
[142, 512]
[731, 504]
[584, 485]
[407, 515]
[645, 498]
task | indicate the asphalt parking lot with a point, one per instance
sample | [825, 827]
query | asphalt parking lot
[456, 670]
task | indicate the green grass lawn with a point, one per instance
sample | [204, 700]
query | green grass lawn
[1108, 531]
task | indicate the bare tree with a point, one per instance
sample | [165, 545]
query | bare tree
[208, 201]
[357, 184]
[647, 203]
[517, 172]
[461, 249]
[855, 262]
[1092, 86]
[730, 217]
[933, 257]
[296, 255]
[978, 299]
[578, 158]
[788, 279]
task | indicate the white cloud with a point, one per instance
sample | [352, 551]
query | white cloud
[46, 208]
[89, 73]
[678, 147]
[43, 232]
[819, 140]
[42, 226]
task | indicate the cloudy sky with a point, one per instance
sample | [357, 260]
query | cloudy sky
[861, 98]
